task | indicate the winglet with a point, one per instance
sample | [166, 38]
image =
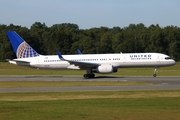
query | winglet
[79, 52]
[59, 55]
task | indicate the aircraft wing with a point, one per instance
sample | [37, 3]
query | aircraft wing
[83, 64]
[78, 63]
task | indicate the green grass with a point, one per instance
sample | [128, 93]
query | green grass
[94, 105]
[45, 96]
[9, 69]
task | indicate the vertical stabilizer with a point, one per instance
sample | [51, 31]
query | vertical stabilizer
[21, 48]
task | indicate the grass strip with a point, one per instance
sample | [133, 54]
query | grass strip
[36, 96]
[106, 105]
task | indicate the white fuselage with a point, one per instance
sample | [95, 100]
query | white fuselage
[116, 60]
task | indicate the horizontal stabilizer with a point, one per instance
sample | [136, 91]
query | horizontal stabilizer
[18, 62]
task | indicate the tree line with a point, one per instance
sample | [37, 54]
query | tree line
[67, 38]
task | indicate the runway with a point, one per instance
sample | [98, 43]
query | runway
[162, 83]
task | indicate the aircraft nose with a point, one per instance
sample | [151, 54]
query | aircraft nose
[173, 62]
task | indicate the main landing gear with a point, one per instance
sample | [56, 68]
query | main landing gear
[89, 74]
[155, 70]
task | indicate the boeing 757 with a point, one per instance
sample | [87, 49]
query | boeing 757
[92, 63]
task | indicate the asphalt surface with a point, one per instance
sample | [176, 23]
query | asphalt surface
[162, 83]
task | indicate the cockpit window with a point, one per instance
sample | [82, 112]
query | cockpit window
[167, 58]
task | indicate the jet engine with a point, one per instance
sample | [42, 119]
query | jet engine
[105, 69]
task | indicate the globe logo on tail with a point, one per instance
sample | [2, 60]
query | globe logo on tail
[25, 51]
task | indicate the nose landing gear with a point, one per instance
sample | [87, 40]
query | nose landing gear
[155, 70]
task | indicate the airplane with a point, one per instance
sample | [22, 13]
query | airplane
[92, 63]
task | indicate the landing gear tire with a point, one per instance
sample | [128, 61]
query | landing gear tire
[89, 76]
[155, 71]
[154, 75]
[85, 76]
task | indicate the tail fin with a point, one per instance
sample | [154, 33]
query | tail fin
[21, 48]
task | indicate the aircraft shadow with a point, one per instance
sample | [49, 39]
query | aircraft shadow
[106, 77]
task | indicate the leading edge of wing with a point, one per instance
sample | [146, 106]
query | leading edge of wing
[77, 63]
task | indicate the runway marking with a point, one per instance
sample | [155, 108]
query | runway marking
[122, 80]
[164, 83]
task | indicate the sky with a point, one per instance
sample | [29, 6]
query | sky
[90, 13]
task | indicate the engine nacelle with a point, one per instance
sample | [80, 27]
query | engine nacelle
[105, 69]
